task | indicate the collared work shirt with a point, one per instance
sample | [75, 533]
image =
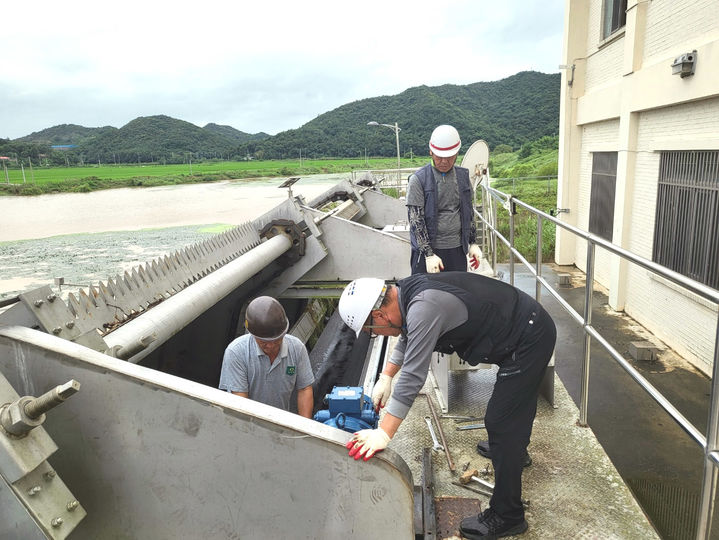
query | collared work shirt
[245, 368]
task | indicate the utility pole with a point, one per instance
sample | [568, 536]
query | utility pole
[22, 168]
[32, 174]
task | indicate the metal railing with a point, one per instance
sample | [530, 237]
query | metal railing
[386, 178]
[710, 443]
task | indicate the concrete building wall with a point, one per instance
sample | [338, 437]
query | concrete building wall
[598, 137]
[605, 65]
[652, 300]
[624, 97]
[671, 23]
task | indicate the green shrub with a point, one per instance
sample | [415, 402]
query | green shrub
[548, 169]
[525, 151]
[29, 189]
[502, 149]
[536, 194]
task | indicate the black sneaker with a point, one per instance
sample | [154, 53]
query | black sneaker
[483, 450]
[489, 526]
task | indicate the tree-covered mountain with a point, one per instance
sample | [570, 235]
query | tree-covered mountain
[235, 134]
[65, 134]
[156, 138]
[511, 112]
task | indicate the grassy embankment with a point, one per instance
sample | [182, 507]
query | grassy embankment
[93, 177]
[533, 180]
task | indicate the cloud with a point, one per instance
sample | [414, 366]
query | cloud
[266, 66]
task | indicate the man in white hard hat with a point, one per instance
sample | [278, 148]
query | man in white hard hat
[483, 320]
[267, 364]
[440, 209]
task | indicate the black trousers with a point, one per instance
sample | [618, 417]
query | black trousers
[511, 411]
[454, 260]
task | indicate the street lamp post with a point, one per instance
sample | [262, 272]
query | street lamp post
[396, 130]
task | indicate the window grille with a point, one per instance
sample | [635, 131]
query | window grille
[686, 230]
[615, 16]
[601, 203]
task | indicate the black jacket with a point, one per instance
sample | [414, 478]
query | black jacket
[497, 314]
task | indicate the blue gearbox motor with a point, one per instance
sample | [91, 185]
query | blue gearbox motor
[350, 410]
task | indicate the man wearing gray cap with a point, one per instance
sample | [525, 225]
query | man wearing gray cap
[267, 364]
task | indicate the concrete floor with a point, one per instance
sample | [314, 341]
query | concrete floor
[660, 463]
[633, 474]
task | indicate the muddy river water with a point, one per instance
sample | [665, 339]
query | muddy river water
[87, 237]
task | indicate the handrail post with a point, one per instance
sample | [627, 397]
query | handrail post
[486, 210]
[709, 483]
[588, 293]
[494, 233]
[511, 240]
[538, 283]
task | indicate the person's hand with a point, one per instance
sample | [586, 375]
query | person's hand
[381, 391]
[475, 256]
[367, 442]
[434, 264]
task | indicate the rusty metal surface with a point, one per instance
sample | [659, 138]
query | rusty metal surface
[451, 511]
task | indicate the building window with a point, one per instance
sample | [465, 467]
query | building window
[615, 16]
[601, 203]
[686, 231]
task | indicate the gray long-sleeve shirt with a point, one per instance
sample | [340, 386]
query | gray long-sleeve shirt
[449, 223]
[449, 227]
[430, 314]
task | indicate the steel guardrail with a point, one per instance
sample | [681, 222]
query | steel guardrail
[710, 443]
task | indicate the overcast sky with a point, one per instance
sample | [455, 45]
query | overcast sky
[267, 65]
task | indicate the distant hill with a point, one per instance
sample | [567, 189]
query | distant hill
[513, 111]
[156, 138]
[65, 134]
[235, 134]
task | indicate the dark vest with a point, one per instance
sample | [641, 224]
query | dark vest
[429, 187]
[497, 314]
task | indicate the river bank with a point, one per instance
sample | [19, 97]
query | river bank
[87, 237]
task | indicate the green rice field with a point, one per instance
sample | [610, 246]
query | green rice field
[40, 180]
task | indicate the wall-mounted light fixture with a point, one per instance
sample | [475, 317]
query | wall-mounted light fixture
[684, 65]
[570, 81]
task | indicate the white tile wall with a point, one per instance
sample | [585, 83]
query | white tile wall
[671, 22]
[601, 136]
[672, 315]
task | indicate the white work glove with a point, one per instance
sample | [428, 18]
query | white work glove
[434, 264]
[367, 442]
[381, 391]
[475, 256]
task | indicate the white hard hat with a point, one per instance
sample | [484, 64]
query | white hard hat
[358, 299]
[444, 141]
